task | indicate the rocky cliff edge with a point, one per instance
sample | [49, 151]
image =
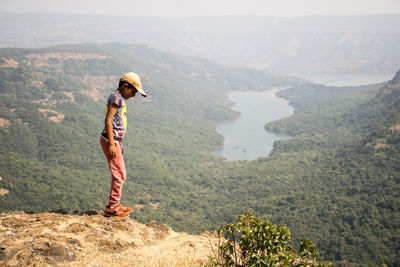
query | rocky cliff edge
[91, 239]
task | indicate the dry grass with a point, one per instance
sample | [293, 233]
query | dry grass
[139, 206]
[94, 94]
[176, 250]
[154, 205]
[4, 123]
[70, 95]
[3, 191]
[47, 101]
[381, 146]
[97, 84]
[9, 63]
[52, 114]
[42, 59]
[395, 128]
[73, 240]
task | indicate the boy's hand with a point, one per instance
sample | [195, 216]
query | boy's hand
[112, 151]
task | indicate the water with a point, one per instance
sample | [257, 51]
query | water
[246, 138]
[345, 79]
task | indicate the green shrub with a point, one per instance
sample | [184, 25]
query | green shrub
[253, 241]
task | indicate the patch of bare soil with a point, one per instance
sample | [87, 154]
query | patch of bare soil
[51, 102]
[91, 239]
[206, 164]
[52, 114]
[139, 206]
[9, 63]
[57, 58]
[388, 89]
[47, 101]
[395, 128]
[20, 121]
[70, 95]
[38, 83]
[94, 94]
[381, 146]
[98, 85]
[4, 123]
[98, 82]
[154, 205]
[3, 191]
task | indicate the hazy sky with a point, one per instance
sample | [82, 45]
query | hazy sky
[186, 8]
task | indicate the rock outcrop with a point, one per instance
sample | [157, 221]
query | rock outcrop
[91, 239]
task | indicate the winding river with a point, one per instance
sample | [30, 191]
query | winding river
[246, 138]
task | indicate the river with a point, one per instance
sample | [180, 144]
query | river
[345, 79]
[246, 138]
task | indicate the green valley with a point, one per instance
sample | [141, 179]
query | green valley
[336, 181]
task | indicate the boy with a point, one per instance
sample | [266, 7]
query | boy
[111, 138]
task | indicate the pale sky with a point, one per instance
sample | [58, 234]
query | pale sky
[188, 8]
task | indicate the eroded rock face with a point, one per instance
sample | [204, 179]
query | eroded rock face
[87, 238]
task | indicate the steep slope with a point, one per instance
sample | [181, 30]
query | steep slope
[390, 94]
[384, 139]
[350, 161]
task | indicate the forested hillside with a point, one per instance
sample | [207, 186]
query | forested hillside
[336, 181]
[352, 149]
[52, 112]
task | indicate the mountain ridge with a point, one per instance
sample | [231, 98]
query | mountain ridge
[332, 44]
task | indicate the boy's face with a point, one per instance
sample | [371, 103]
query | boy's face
[128, 91]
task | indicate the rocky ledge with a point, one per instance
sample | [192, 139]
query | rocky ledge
[91, 239]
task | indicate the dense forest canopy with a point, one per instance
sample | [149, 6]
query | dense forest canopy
[336, 181]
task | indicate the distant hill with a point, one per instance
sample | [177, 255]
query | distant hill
[338, 44]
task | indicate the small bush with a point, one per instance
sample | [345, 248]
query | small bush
[253, 241]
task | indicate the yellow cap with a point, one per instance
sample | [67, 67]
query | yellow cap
[134, 79]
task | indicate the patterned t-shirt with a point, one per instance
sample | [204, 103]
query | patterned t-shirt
[119, 120]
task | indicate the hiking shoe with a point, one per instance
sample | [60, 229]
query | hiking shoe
[125, 208]
[116, 211]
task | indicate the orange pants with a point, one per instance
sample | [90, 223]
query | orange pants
[118, 172]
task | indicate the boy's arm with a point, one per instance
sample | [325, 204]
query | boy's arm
[109, 129]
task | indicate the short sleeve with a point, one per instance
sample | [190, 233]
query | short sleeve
[114, 99]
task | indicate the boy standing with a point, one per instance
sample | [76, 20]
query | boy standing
[111, 139]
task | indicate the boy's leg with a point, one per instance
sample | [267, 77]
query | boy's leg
[118, 172]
